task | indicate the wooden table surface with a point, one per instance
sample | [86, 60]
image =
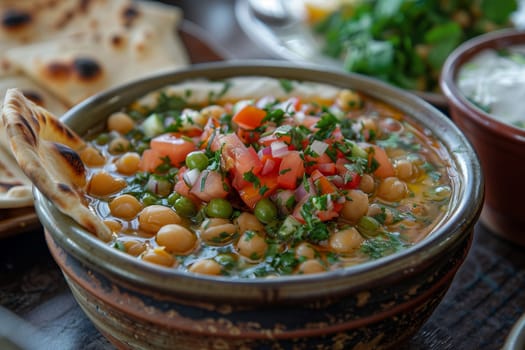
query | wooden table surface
[486, 298]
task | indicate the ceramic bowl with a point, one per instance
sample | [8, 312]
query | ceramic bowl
[500, 146]
[373, 305]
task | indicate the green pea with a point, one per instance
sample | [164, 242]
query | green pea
[184, 206]
[173, 197]
[368, 226]
[103, 139]
[197, 160]
[149, 199]
[219, 208]
[265, 211]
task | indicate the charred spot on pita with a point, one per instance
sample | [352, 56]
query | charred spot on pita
[87, 68]
[34, 96]
[129, 15]
[13, 18]
[65, 188]
[29, 136]
[71, 157]
[58, 70]
[117, 41]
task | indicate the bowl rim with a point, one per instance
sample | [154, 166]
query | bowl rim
[460, 221]
[462, 54]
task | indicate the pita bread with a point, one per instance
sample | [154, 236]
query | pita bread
[46, 151]
[59, 52]
[15, 187]
[76, 66]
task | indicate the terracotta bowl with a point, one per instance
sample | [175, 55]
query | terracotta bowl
[373, 305]
[501, 147]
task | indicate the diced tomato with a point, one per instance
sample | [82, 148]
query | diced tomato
[209, 185]
[249, 117]
[310, 121]
[290, 169]
[297, 210]
[271, 166]
[248, 136]
[385, 168]
[150, 160]
[269, 139]
[236, 155]
[182, 188]
[351, 179]
[209, 129]
[327, 168]
[253, 193]
[247, 160]
[326, 215]
[324, 185]
[322, 163]
[173, 146]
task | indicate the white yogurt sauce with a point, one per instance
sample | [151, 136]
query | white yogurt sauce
[496, 83]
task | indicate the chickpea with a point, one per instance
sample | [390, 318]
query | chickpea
[118, 145]
[92, 157]
[348, 100]
[252, 246]
[103, 183]
[159, 256]
[134, 247]
[177, 239]
[392, 189]
[120, 122]
[367, 183]
[305, 250]
[214, 112]
[355, 206]
[405, 170]
[125, 207]
[113, 225]
[369, 123]
[375, 209]
[217, 231]
[207, 267]
[345, 241]
[153, 217]
[249, 222]
[128, 163]
[310, 266]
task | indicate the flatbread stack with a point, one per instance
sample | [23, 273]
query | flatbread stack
[59, 52]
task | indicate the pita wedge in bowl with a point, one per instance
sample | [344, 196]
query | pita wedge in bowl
[137, 302]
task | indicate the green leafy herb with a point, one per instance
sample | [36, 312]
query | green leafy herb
[383, 245]
[286, 85]
[405, 42]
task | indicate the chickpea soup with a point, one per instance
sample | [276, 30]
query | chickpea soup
[254, 177]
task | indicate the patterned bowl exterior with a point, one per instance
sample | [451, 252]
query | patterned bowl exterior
[380, 317]
[375, 305]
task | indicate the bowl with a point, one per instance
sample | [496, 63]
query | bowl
[500, 146]
[377, 304]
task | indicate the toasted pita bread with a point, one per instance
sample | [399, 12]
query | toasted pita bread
[76, 66]
[26, 22]
[15, 187]
[46, 151]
